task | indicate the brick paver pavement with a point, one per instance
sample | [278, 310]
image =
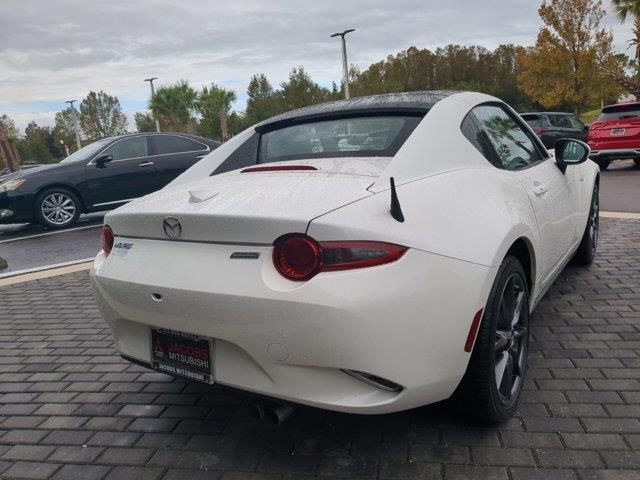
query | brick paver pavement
[70, 407]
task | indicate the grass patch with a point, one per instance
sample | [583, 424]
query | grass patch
[590, 116]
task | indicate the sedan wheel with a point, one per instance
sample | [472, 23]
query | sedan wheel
[492, 384]
[57, 208]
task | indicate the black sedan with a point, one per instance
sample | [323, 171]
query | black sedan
[6, 171]
[551, 126]
[100, 176]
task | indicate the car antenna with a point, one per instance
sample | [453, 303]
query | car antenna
[396, 209]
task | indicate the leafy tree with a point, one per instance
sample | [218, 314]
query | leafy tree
[300, 90]
[36, 143]
[64, 129]
[451, 67]
[563, 69]
[8, 127]
[101, 116]
[175, 106]
[263, 101]
[144, 122]
[212, 102]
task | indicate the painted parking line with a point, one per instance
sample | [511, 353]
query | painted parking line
[56, 232]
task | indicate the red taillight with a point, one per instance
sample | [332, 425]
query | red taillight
[299, 257]
[107, 239]
[280, 168]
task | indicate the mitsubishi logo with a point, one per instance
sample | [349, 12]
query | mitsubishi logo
[172, 227]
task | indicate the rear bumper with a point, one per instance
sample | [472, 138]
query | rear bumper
[617, 154]
[406, 322]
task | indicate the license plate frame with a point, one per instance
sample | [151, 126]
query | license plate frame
[617, 132]
[181, 354]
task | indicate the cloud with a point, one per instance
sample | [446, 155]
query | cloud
[55, 51]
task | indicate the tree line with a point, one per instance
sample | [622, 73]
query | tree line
[100, 115]
[571, 67]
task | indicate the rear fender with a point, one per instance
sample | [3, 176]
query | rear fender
[473, 215]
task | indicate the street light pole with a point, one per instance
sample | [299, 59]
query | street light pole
[345, 64]
[75, 122]
[153, 92]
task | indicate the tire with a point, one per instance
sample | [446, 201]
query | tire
[588, 246]
[637, 161]
[500, 351]
[57, 208]
[603, 164]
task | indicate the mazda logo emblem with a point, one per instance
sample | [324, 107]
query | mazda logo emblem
[172, 227]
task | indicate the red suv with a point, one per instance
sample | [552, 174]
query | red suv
[616, 134]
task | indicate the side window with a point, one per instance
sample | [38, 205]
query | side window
[128, 148]
[560, 121]
[164, 144]
[575, 123]
[478, 138]
[513, 147]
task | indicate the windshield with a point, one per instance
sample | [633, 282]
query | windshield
[86, 153]
[619, 113]
[366, 136]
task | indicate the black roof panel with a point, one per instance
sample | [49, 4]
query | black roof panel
[409, 102]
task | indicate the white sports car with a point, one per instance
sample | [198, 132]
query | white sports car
[368, 256]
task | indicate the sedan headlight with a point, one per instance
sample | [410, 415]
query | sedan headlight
[11, 185]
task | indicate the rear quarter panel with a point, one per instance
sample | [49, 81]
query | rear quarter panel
[473, 215]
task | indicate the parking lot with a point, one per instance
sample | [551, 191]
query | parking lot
[70, 407]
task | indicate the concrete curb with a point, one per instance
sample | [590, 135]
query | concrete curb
[621, 215]
[21, 276]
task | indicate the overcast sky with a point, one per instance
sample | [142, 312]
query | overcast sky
[57, 50]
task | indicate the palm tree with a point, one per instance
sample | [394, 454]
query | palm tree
[174, 105]
[214, 105]
[630, 8]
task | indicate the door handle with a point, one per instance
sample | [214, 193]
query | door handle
[540, 190]
[146, 164]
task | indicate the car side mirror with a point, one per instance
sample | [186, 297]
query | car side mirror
[586, 128]
[570, 151]
[102, 160]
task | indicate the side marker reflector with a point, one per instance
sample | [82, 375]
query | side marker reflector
[473, 331]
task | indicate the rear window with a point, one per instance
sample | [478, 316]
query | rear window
[619, 112]
[165, 144]
[532, 120]
[366, 136]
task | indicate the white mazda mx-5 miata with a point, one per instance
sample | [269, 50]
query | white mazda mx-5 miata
[368, 255]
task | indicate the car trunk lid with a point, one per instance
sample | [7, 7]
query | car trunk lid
[248, 207]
